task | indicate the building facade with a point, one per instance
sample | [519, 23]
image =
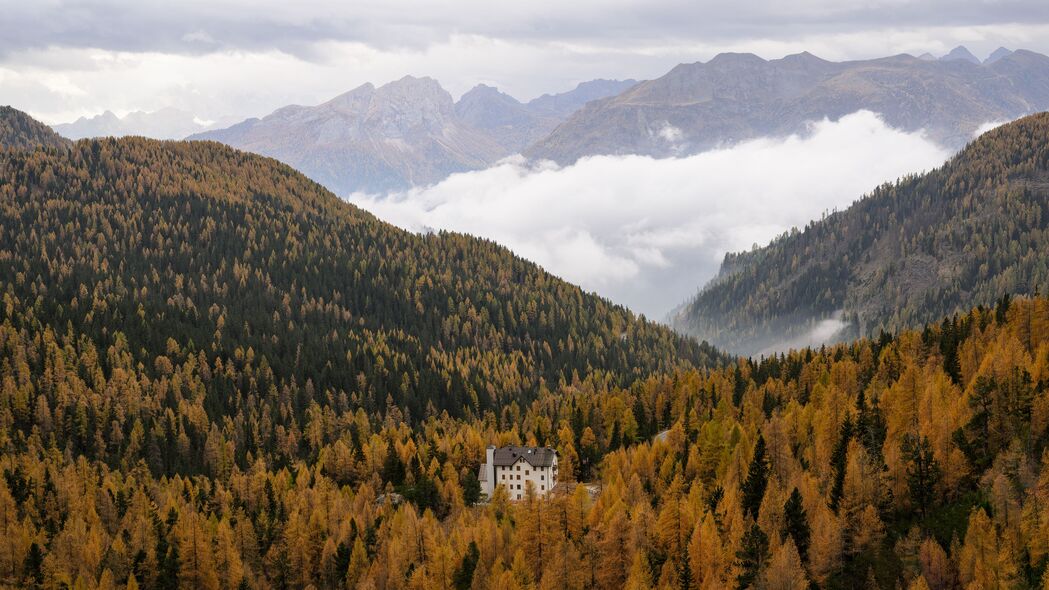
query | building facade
[514, 467]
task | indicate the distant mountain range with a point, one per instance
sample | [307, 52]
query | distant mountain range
[735, 97]
[408, 132]
[411, 132]
[20, 131]
[168, 123]
[910, 252]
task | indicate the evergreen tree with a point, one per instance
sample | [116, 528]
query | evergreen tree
[751, 557]
[839, 460]
[923, 472]
[33, 567]
[471, 488]
[796, 524]
[170, 566]
[464, 574]
[393, 468]
[757, 480]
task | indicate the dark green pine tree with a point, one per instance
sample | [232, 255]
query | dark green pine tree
[393, 468]
[923, 472]
[839, 459]
[167, 577]
[757, 479]
[751, 557]
[471, 488]
[796, 524]
[33, 567]
[616, 440]
[463, 577]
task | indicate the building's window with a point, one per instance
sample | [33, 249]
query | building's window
[518, 467]
[527, 472]
[542, 478]
[542, 488]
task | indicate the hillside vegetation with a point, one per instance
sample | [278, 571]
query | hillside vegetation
[924, 247]
[20, 131]
[154, 254]
[916, 461]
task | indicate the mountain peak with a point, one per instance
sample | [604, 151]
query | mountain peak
[409, 81]
[804, 56]
[733, 58]
[960, 53]
[997, 55]
[488, 92]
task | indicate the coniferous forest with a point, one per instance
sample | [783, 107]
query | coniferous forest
[913, 251]
[215, 374]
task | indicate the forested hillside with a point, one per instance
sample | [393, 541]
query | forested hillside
[910, 252]
[146, 255]
[20, 131]
[910, 462]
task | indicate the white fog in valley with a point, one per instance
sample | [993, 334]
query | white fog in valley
[648, 232]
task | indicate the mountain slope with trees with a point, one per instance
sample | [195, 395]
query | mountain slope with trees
[20, 131]
[916, 461]
[921, 248]
[191, 249]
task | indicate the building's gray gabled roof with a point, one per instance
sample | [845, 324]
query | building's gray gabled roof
[534, 456]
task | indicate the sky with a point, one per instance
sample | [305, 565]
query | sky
[225, 60]
[648, 233]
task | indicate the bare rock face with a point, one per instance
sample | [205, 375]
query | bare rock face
[369, 139]
[513, 124]
[960, 53]
[406, 133]
[735, 97]
[996, 55]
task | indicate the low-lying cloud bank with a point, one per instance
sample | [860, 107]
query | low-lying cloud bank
[649, 232]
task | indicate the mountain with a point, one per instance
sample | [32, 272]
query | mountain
[370, 139]
[968, 233]
[513, 125]
[406, 133]
[997, 54]
[20, 131]
[735, 97]
[167, 123]
[961, 53]
[562, 105]
[152, 245]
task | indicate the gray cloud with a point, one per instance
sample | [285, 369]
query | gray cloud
[233, 59]
[194, 26]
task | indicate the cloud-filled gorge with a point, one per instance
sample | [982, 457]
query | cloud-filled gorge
[649, 232]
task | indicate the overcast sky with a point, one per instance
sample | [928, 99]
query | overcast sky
[221, 59]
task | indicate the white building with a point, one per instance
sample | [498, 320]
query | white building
[514, 467]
